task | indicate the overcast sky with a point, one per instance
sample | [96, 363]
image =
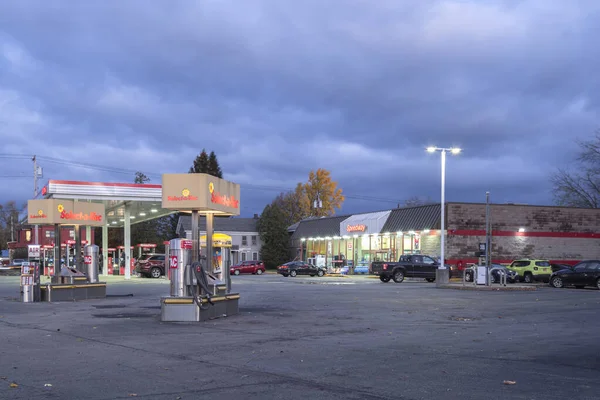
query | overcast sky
[277, 88]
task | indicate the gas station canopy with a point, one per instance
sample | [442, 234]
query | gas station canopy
[144, 201]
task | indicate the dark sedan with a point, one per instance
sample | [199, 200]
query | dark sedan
[558, 267]
[584, 273]
[294, 268]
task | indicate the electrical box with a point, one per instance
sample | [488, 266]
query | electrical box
[481, 275]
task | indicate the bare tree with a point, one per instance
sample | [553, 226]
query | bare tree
[579, 186]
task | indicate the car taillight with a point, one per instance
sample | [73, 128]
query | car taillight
[385, 266]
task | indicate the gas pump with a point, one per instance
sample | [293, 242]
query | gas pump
[48, 266]
[145, 248]
[221, 257]
[119, 266]
[195, 293]
[112, 256]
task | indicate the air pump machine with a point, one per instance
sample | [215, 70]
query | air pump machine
[196, 294]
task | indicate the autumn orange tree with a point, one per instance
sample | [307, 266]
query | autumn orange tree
[318, 197]
[322, 193]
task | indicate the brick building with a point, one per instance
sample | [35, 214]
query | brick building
[25, 236]
[559, 234]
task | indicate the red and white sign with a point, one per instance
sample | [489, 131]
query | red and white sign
[70, 241]
[173, 263]
[87, 259]
[186, 244]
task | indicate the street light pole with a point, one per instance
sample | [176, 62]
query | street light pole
[443, 213]
[442, 150]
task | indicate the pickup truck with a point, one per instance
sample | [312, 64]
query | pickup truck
[408, 266]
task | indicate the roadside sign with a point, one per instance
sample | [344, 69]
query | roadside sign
[33, 251]
[173, 263]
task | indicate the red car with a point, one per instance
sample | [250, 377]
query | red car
[152, 265]
[248, 267]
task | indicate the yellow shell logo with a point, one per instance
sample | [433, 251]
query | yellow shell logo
[211, 187]
[61, 208]
[185, 192]
[40, 213]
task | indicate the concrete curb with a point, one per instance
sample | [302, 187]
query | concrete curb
[488, 288]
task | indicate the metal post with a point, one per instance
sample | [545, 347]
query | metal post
[195, 236]
[127, 234]
[56, 254]
[443, 205]
[36, 234]
[105, 250]
[77, 249]
[209, 243]
[487, 234]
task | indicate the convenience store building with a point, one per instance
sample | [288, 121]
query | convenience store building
[561, 234]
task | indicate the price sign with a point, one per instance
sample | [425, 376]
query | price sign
[173, 263]
[87, 259]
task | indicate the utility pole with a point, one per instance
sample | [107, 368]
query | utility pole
[35, 177]
[37, 173]
[488, 234]
[12, 229]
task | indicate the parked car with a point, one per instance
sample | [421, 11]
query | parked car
[294, 268]
[361, 268]
[531, 270]
[497, 271]
[151, 265]
[584, 273]
[409, 266]
[557, 267]
[248, 267]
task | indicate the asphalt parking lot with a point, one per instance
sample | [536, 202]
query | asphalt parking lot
[305, 338]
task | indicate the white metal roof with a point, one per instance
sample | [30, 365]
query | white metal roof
[143, 200]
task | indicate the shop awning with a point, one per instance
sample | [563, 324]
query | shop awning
[364, 224]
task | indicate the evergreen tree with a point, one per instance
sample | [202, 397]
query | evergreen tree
[140, 177]
[200, 164]
[213, 166]
[274, 236]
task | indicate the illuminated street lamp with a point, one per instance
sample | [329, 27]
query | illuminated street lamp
[453, 150]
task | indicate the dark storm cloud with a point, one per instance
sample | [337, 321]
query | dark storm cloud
[279, 88]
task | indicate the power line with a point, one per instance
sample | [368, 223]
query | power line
[124, 171]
